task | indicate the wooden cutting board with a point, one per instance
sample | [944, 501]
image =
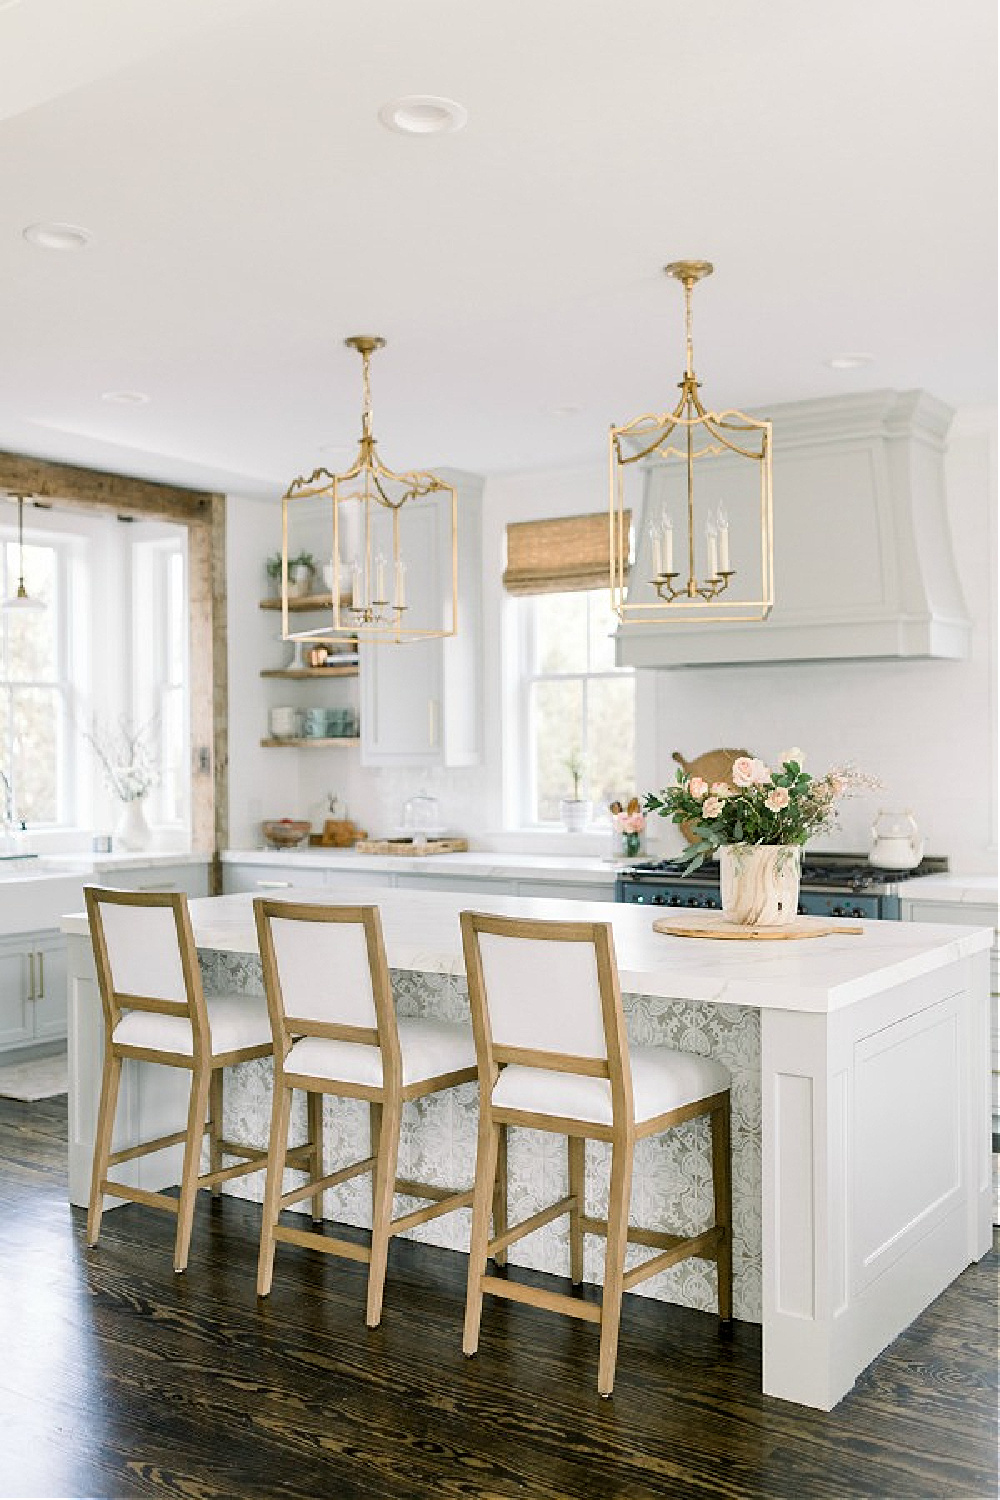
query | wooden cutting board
[715, 927]
[714, 765]
[407, 847]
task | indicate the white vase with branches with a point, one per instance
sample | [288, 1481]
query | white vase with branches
[128, 755]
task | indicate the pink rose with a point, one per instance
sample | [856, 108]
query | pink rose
[743, 770]
[760, 773]
[698, 788]
[711, 807]
[721, 789]
[777, 798]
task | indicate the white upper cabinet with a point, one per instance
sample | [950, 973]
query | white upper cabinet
[863, 555]
[421, 701]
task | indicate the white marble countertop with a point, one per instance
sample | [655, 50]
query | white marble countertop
[482, 863]
[144, 859]
[422, 934]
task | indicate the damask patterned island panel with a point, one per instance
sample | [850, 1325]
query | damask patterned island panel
[672, 1183]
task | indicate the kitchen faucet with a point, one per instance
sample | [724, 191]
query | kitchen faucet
[8, 811]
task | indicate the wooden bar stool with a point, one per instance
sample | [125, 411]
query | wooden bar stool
[534, 986]
[155, 1010]
[336, 1032]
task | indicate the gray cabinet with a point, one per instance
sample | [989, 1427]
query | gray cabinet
[32, 989]
[421, 701]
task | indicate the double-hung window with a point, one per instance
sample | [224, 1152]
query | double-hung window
[34, 686]
[577, 707]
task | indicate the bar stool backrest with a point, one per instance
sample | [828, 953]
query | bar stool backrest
[145, 956]
[326, 974]
[546, 995]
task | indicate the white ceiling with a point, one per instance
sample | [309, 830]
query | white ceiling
[836, 162]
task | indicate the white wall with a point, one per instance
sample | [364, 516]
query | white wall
[926, 728]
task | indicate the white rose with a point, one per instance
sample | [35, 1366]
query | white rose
[793, 754]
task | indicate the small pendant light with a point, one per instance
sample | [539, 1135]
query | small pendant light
[22, 599]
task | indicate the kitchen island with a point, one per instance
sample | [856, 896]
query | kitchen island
[860, 1112]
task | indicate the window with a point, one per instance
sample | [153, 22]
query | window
[34, 687]
[576, 704]
[160, 667]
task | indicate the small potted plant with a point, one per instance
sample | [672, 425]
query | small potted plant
[301, 568]
[575, 810]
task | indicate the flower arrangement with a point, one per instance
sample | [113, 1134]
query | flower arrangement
[128, 756]
[625, 822]
[764, 805]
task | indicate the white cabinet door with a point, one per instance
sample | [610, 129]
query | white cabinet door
[483, 885]
[401, 684]
[575, 890]
[50, 987]
[16, 962]
[421, 701]
[264, 878]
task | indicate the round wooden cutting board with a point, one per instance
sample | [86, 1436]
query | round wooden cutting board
[716, 927]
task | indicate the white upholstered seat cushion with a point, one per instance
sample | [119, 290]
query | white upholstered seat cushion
[662, 1080]
[428, 1047]
[235, 1022]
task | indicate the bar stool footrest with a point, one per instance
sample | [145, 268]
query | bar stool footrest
[534, 1296]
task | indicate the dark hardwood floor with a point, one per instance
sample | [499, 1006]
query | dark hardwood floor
[118, 1378]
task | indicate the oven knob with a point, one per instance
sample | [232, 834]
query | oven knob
[657, 900]
[857, 912]
[674, 901]
[802, 910]
[838, 911]
[694, 901]
[711, 901]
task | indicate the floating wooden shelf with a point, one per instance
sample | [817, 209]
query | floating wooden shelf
[311, 742]
[348, 671]
[302, 602]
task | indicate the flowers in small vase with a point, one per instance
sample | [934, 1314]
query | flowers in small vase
[128, 756]
[782, 804]
[629, 826]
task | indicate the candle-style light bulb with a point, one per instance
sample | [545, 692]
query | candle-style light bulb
[712, 540]
[722, 521]
[379, 579]
[356, 586]
[656, 544]
[400, 583]
[667, 528]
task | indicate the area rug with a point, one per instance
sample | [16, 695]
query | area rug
[39, 1078]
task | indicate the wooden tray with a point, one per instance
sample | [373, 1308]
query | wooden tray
[715, 927]
[407, 847]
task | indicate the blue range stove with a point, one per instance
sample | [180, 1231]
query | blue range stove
[833, 885]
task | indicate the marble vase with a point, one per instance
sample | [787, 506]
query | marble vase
[760, 883]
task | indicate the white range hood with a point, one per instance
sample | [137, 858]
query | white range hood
[862, 548]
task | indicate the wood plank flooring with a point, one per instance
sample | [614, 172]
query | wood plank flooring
[119, 1379]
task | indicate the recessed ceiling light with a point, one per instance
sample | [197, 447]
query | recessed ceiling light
[57, 236]
[125, 398]
[850, 361]
[423, 114]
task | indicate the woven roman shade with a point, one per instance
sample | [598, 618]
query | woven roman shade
[559, 556]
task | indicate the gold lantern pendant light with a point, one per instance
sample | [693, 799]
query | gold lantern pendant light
[690, 460]
[21, 600]
[372, 598]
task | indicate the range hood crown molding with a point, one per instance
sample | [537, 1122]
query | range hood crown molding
[864, 566]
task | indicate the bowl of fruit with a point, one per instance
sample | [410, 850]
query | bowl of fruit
[285, 833]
